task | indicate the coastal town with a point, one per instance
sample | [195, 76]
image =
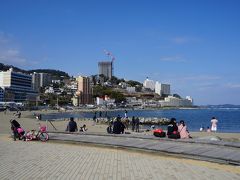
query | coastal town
[33, 89]
[119, 90]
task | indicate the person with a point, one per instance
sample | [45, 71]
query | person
[72, 125]
[109, 129]
[94, 119]
[182, 129]
[14, 127]
[214, 122]
[137, 123]
[126, 122]
[118, 127]
[83, 128]
[208, 129]
[172, 129]
[17, 114]
[201, 129]
[133, 123]
[125, 114]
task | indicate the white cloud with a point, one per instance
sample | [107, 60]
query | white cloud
[184, 40]
[202, 77]
[233, 85]
[4, 38]
[176, 58]
[10, 54]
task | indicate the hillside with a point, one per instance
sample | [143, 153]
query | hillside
[53, 72]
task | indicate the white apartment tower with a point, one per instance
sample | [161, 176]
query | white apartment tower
[149, 84]
[162, 89]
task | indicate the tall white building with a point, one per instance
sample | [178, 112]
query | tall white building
[162, 89]
[149, 84]
[17, 86]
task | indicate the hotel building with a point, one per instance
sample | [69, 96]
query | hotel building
[162, 89]
[149, 84]
[84, 91]
[40, 80]
[17, 86]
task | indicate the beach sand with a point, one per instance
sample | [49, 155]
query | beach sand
[29, 122]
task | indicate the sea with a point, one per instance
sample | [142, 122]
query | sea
[228, 118]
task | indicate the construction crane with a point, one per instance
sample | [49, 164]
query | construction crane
[110, 55]
[112, 58]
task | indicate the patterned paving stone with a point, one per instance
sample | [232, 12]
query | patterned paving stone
[36, 160]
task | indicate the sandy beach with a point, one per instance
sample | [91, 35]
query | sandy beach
[29, 122]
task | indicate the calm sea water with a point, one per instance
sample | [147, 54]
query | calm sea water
[229, 118]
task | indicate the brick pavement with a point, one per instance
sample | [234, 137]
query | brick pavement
[36, 160]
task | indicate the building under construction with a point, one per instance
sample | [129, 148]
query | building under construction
[106, 68]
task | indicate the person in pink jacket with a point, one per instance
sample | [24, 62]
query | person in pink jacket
[182, 129]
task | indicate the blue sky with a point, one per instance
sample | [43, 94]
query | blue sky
[192, 44]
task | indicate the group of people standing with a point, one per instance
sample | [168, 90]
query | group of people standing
[120, 124]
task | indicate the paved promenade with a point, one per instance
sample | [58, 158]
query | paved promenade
[214, 151]
[37, 160]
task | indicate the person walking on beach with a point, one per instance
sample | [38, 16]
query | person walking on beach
[214, 122]
[133, 123]
[137, 123]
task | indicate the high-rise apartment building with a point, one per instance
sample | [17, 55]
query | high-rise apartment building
[40, 80]
[17, 86]
[1, 95]
[84, 91]
[162, 89]
[149, 84]
[106, 68]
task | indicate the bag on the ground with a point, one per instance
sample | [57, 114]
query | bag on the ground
[159, 133]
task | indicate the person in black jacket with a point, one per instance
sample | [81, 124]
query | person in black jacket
[14, 126]
[72, 125]
[118, 126]
[172, 130]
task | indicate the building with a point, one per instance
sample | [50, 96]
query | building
[84, 91]
[40, 80]
[106, 68]
[172, 101]
[1, 95]
[162, 89]
[17, 86]
[149, 84]
[131, 89]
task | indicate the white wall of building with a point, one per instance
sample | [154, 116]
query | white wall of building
[162, 88]
[149, 84]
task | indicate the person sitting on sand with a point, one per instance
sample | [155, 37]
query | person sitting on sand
[208, 129]
[118, 127]
[172, 130]
[182, 129]
[83, 128]
[201, 129]
[72, 125]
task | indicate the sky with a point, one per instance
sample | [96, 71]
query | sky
[194, 45]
